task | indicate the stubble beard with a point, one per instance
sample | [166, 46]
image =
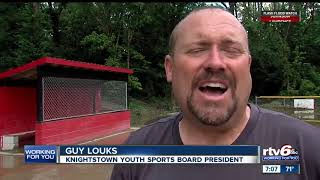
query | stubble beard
[211, 113]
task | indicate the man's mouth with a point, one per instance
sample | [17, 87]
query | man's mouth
[213, 88]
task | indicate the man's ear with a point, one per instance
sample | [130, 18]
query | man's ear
[250, 60]
[168, 65]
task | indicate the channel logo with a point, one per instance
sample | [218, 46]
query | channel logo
[286, 152]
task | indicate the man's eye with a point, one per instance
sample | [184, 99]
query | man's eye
[230, 51]
[197, 50]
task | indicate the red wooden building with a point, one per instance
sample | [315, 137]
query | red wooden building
[62, 101]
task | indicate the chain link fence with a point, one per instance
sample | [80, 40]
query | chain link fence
[306, 108]
[71, 97]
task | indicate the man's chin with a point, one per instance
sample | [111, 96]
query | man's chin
[213, 119]
[212, 115]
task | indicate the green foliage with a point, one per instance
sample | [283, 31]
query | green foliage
[22, 34]
[283, 53]
[95, 43]
[307, 87]
[113, 61]
[135, 35]
[134, 83]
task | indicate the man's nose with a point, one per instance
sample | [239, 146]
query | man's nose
[214, 60]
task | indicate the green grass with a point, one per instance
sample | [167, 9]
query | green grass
[146, 111]
[315, 123]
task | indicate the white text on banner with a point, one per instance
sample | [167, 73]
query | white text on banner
[133, 159]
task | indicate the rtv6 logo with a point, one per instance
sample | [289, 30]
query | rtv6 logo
[285, 150]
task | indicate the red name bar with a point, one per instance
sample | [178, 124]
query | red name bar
[280, 19]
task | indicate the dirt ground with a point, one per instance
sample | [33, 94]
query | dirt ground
[13, 167]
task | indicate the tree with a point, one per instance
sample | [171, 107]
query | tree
[24, 35]
[135, 35]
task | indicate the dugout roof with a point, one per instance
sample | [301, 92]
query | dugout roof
[60, 67]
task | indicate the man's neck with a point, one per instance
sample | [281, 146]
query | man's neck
[196, 133]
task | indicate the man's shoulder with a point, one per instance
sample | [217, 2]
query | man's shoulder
[158, 132]
[301, 135]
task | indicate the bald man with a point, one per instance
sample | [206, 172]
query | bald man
[209, 68]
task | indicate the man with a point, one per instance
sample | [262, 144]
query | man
[209, 68]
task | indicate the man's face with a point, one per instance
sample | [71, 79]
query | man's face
[210, 67]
